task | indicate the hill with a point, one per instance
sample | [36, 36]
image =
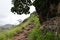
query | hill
[30, 29]
[9, 34]
[6, 27]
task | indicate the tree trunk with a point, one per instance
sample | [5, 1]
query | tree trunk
[47, 10]
[58, 9]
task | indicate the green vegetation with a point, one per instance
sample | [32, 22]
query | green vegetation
[38, 34]
[44, 10]
[42, 34]
[35, 34]
[9, 34]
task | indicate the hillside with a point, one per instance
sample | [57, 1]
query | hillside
[30, 29]
[49, 30]
[10, 34]
[23, 35]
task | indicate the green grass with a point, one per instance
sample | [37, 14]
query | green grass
[35, 34]
[9, 34]
[41, 34]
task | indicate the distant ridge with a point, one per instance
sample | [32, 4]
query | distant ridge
[7, 26]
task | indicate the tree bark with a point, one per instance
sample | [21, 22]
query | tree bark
[47, 10]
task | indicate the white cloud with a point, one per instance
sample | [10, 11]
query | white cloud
[32, 9]
[12, 19]
[7, 17]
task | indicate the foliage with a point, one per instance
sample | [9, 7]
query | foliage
[2, 37]
[38, 34]
[44, 10]
[21, 6]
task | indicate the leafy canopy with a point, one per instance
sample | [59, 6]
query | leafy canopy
[21, 6]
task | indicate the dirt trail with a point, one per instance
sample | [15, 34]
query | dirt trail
[23, 35]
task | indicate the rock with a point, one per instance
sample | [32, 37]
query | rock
[52, 24]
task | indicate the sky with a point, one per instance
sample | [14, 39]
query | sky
[7, 17]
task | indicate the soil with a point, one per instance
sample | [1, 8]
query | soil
[52, 25]
[23, 35]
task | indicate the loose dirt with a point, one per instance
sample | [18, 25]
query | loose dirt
[23, 35]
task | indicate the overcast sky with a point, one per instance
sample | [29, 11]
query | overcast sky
[7, 17]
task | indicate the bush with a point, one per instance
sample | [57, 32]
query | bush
[2, 36]
[49, 36]
[38, 34]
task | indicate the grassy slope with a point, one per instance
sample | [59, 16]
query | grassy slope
[9, 34]
[41, 34]
[35, 34]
